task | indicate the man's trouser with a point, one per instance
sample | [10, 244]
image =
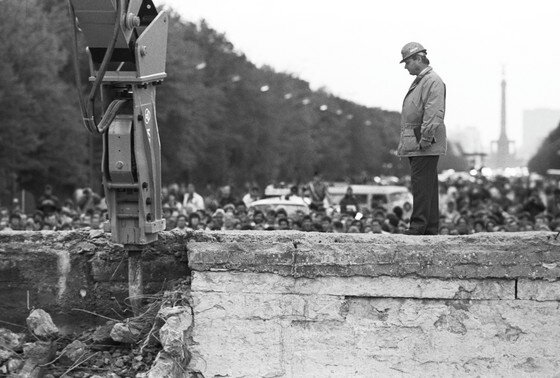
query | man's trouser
[425, 209]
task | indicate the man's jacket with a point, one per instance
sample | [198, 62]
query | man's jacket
[422, 116]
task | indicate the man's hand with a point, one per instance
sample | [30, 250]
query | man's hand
[424, 144]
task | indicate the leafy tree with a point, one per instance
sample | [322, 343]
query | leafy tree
[548, 155]
[38, 136]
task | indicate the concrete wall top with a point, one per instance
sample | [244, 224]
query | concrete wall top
[533, 255]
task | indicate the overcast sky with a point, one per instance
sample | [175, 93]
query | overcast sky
[352, 48]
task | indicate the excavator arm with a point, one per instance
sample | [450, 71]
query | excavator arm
[126, 46]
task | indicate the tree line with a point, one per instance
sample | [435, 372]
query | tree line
[221, 118]
[548, 154]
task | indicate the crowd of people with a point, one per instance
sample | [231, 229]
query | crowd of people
[467, 205]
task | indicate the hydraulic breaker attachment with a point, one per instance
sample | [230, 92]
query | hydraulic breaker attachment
[126, 44]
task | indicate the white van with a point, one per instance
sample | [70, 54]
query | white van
[387, 196]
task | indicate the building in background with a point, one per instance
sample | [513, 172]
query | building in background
[537, 124]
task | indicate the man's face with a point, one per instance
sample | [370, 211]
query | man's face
[219, 219]
[181, 222]
[283, 224]
[14, 222]
[412, 65]
[376, 227]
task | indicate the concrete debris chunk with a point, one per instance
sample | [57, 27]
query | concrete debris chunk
[129, 332]
[102, 333]
[14, 365]
[40, 351]
[11, 340]
[36, 355]
[5, 354]
[166, 312]
[74, 351]
[165, 367]
[172, 334]
[41, 324]
[93, 234]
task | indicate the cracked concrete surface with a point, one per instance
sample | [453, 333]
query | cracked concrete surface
[394, 306]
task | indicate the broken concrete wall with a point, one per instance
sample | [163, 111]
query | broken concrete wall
[62, 271]
[291, 304]
[316, 305]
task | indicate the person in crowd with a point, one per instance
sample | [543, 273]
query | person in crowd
[226, 196]
[182, 223]
[270, 218]
[349, 203]
[15, 222]
[48, 203]
[192, 201]
[326, 224]
[338, 227]
[218, 220]
[174, 189]
[51, 222]
[533, 205]
[283, 224]
[444, 229]
[391, 224]
[479, 226]
[194, 221]
[252, 196]
[30, 225]
[96, 220]
[293, 194]
[542, 223]
[450, 213]
[171, 223]
[307, 224]
[88, 201]
[376, 226]
[462, 226]
[317, 189]
[167, 211]
[175, 205]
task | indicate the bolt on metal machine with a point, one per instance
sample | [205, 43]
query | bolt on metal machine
[126, 45]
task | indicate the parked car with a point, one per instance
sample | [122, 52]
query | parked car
[369, 196]
[293, 205]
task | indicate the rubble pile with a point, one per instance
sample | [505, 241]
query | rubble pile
[150, 345]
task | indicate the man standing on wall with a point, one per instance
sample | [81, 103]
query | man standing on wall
[423, 137]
